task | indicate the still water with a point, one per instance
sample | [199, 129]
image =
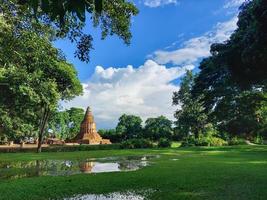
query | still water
[21, 169]
[111, 196]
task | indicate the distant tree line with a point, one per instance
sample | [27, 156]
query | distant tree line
[130, 127]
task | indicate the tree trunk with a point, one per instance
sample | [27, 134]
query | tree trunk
[42, 128]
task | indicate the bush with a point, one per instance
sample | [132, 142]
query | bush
[215, 141]
[164, 142]
[188, 142]
[203, 141]
[64, 148]
[258, 140]
[136, 144]
[237, 141]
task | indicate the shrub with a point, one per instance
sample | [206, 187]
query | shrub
[203, 141]
[188, 142]
[164, 142]
[136, 144]
[237, 141]
[258, 140]
[215, 141]
[65, 148]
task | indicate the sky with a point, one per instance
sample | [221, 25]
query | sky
[169, 37]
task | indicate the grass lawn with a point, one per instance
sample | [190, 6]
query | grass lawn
[196, 173]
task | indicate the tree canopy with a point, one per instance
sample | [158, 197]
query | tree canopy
[66, 124]
[67, 19]
[159, 127]
[129, 126]
[242, 59]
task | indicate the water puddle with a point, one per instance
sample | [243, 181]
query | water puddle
[111, 196]
[21, 169]
[129, 195]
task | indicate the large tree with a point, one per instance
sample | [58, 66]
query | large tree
[232, 109]
[159, 127]
[129, 126]
[33, 77]
[232, 81]
[244, 56]
[190, 116]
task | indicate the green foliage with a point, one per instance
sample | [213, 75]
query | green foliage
[156, 128]
[34, 77]
[203, 141]
[129, 126]
[136, 144]
[58, 124]
[237, 141]
[258, 139]
[215, 141]
[164, 142]
[68, 18]
[111, 134]
[191, 118]
[75, 118]
[232, 81]
[63, 148]
[66, 124]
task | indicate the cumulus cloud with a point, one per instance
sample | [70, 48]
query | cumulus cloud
[196, 48]
[145, 91]
[158, 3]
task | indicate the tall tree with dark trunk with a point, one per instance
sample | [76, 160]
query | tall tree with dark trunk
[190, 117]
[34, 77]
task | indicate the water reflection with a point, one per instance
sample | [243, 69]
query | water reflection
[21, 169]
[112, 196]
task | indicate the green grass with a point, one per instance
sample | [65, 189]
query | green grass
[199, 173]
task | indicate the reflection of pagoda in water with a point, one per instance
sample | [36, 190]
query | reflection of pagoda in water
[88, 133]
[86, 167]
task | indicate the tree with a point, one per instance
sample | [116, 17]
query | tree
[67, 18]
[244, 56]
[75, 118]
[156, 128]
[34, 77]
[111, 134]
[59, 124]
[232, 105]
[129, 126]
[190, 117]
[66, 124]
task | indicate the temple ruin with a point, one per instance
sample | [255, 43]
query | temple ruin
[88, 133]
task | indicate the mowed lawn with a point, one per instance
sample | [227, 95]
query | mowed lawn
[180, 173]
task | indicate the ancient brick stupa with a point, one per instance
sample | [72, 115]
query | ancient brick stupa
[88, 133]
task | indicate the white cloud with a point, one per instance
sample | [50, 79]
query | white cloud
[196, 48]
[158, 3]
[233, 3]
[145, 91]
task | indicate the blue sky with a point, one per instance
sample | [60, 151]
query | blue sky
[169, 36]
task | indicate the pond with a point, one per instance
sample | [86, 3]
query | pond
[21, 169]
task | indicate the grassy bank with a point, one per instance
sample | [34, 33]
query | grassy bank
[180, 173]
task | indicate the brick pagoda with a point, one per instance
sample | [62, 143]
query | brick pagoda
[88, 133]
